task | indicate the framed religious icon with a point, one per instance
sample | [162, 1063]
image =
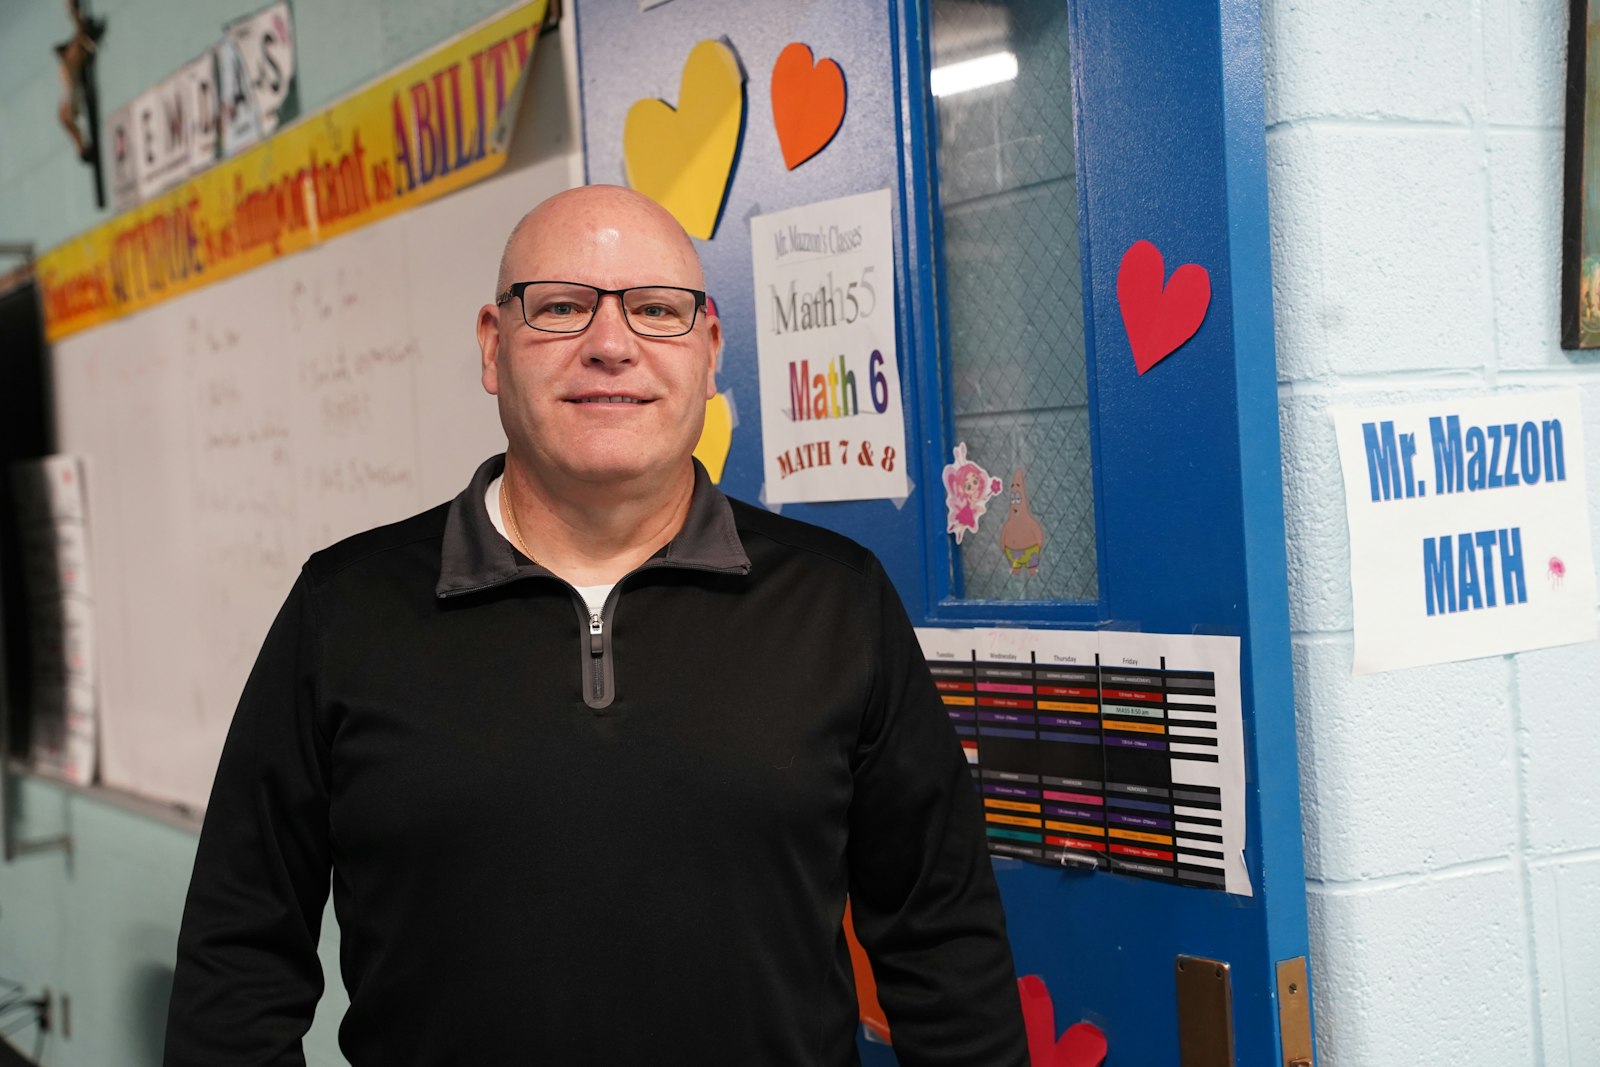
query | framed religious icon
[1580, 237]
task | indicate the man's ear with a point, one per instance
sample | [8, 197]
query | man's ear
[714, 331]
[489, 346]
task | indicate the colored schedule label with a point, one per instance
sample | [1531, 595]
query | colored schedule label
[1102, 746]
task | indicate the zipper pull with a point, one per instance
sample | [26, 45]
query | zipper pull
[596, 629]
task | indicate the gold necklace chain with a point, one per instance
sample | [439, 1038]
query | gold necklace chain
[510, 518]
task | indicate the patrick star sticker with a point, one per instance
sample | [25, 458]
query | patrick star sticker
[1021, 538]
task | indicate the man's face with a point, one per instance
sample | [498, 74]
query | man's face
[558, 393]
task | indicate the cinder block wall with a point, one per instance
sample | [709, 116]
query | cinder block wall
[1452, 813]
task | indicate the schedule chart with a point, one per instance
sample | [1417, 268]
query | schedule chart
[1121, 748]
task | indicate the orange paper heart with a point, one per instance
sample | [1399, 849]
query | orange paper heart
[807, 103]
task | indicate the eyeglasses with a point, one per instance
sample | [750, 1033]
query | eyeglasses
[569, 307]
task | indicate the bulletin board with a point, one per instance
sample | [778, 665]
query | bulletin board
[1170, 190]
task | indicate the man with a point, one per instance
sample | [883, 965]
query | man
[593, 753]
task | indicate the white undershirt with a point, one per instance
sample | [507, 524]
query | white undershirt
[593, 595]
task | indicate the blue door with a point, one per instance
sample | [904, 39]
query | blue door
[1113, 139]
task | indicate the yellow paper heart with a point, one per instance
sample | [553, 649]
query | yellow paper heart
[716, 437]
[682, 157]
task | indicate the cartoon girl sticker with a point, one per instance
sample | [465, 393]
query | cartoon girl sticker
[967, 489]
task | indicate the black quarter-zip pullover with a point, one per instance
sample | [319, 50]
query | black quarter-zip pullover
[560, 840]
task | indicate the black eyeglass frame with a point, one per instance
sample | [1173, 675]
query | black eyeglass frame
[518, 288]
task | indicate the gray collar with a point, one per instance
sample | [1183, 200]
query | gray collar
[474, 556]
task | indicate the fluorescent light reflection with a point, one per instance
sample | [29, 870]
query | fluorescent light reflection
[970, 74]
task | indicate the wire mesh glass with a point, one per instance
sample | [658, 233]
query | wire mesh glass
[1013, 294]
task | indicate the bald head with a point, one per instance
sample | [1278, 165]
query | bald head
[562, 445]
[606, 217]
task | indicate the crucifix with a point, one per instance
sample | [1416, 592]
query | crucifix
[75, 58]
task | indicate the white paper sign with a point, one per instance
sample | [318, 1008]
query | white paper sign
[52, 531]
[1469, 528]
[174, 127]
[831, 421]
[118, 134]
[241, 118]
[264, 45]
[255, 73]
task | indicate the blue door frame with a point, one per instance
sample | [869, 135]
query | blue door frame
[1189, 514]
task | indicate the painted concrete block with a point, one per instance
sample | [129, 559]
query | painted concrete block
[51, 199]
[1296, 232]
[33, 135]
[410, 27]
[340, 49]
[1525, 242]
[1403, 772]
[1566, 940]
[30, 886]
[1585, 377]
[26, 46]
[1368, 59]
[121, 908]
[1590, 391]
[66, 209]
[35, 921]
[1317, 537]
[1524, 61]
[1378, 249]
[1558, 692]
[322, 1040]
[12, 117]
[1428, 972]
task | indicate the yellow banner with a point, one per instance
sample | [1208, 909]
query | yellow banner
[440, 123]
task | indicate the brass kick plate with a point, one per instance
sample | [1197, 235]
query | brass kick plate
[1294, 1013]
[1205, 1013]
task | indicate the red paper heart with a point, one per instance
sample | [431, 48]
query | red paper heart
[1038, 1019]
[1083, 1045]
[1159, 318]
[807, 103]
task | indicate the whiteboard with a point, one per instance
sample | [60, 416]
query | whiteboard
[233, 431]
